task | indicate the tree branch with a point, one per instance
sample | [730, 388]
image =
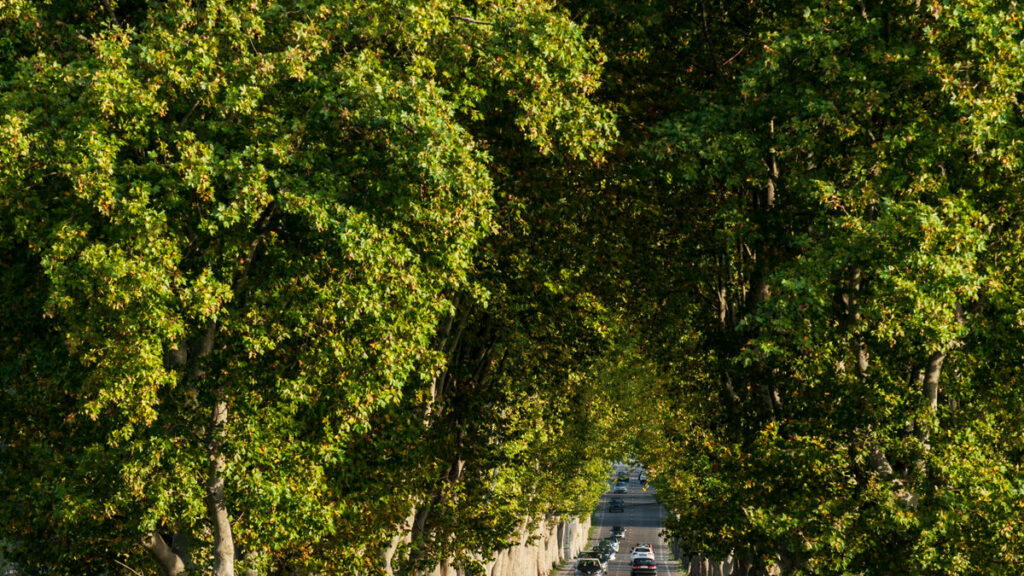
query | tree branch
[170, 563]
[734, 56]
[127, 567]
[472, 20]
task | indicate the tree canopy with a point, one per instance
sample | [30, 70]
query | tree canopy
[364, 286]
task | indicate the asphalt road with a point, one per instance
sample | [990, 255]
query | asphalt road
[643, 519]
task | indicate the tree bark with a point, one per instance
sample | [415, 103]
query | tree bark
[169, 562]
[930, 389]
[216, 507]
[849, 316]
[878, 462]
[389, 553]
[932, 372]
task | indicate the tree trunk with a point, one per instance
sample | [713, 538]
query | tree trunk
[402, 535]
[931, 380]
[930, 390]
[216, 508]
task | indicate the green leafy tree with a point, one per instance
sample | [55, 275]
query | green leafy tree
[515, 427]
[230, 232]
[816, 201]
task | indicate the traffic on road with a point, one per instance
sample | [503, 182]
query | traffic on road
[626, 537]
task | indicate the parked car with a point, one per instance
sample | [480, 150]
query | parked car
[589, 567]
[605, 550]
[643, 567]
[594, 555]
[616, 505]
[620, 488]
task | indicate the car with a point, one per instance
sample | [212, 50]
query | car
[616, 505]
[589, 567]
[594, 555]
[643, 567]
[618, 532]
[606, 557]
[607, 552]
[622, 477]
[642, 550]
[641, 554]
[620, 488]
[611, 542]
[607, 544]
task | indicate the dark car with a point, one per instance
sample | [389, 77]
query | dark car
[589, 567]
[616, 505]
[594, 555]
[643, 567]
[618, 532]
[606, 552]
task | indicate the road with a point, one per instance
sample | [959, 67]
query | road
[643, 519]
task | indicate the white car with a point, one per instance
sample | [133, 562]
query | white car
[641, 554]
[642, 551]
[620, 488]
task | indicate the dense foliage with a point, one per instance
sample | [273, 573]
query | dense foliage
[828, 196]
[232, 234]
[364, 286]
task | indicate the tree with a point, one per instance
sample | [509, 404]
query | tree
[231, 232]
[818, 193]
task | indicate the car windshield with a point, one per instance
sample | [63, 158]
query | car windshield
[587, 563]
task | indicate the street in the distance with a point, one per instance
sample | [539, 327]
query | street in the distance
[643, 519]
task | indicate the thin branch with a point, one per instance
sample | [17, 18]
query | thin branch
[733, 57]
[472, 20]
[189, 115]
[128, 568]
